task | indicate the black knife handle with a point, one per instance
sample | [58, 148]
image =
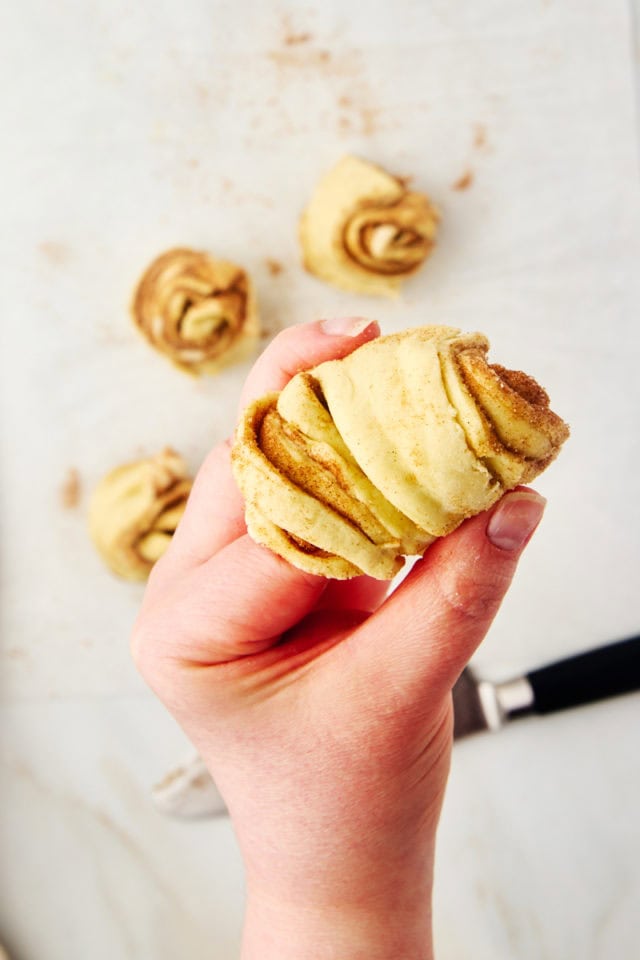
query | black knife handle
[595, 675]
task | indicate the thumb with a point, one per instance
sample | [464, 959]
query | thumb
[424, 634]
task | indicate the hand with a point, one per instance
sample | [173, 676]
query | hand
[323, 713]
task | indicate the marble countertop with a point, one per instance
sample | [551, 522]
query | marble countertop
[133, 128]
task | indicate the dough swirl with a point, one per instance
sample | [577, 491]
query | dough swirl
[363, 230]
[135, 510]
[360, 462]
[199, 312]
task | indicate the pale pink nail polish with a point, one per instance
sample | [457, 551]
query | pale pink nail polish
[514, 519]
[345, 326]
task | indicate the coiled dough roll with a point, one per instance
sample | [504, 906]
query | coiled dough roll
[135, 510]
[360, 462]
[198, 311]
[363, 230]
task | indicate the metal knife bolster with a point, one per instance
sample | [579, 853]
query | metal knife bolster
[501, 702]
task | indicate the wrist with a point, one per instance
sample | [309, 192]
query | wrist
[382, 920]
[279, 933]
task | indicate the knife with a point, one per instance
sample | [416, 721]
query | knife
[188, 791]
[583, 678]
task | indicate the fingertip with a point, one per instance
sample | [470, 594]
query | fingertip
[514, 519]
[303, 346]
[353, 327]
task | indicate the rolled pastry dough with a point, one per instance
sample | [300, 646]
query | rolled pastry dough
[363, 230]
[135, 510]
[362, 461]
[199, 312]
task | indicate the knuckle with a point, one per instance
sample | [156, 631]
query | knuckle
[472, 595]
[140, 645]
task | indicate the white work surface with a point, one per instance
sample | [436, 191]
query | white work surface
[130, 128]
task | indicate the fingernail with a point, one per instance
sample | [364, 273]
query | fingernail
[514, 519]
[345, 326]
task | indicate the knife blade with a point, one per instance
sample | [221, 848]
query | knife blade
[188, 791]
[597, 674]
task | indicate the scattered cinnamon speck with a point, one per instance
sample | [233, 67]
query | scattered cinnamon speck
[55, 252]
[463, 182]
[17, 653]
[293, 39]
[480, 135]
[267, 332]
[202, 92]
[406, 181]
[273, 266]
[370, 117]
[305, 59]
[71, 489]
[356, 115]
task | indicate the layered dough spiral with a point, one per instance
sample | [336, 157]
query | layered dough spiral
[363, 230]
[360, 462]
[135, 510]
[198, 311]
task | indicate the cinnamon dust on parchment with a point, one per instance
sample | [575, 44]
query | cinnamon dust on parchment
[463, 182]
[71, 489]
[274, 267]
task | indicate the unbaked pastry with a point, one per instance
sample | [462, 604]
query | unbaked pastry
[135, 510]
[199, 312]
[361, 461]
[363, 230]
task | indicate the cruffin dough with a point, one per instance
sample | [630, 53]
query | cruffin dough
[135, 510]
[198, 311]
[362, 461]
[364, 231]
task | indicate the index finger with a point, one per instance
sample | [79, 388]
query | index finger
[214, 516]
[298, 348]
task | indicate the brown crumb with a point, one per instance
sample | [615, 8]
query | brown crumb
[71, 489]
[480, 136]
[345, 102]
[293, 39]
[406, 181]
[273, 266]
[463, 182]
